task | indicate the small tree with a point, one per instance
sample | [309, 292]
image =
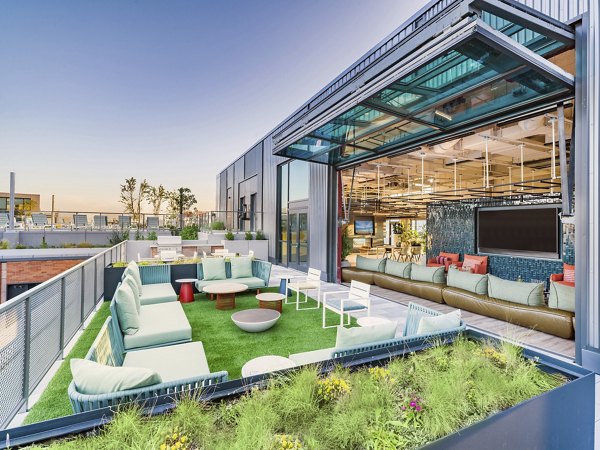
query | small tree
[181, 200]
[156, 195]
[131, 199]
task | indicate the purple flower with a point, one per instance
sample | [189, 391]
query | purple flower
[418, 408]
[403, 408]
[413, 404]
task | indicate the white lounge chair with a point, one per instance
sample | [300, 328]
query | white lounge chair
[152, 223]
[100, 222]
[305, 284]
[356, 299]
[80, 221]
[39, 220]
[124, 222]
[3, 220]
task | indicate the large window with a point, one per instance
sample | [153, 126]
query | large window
[293, 178]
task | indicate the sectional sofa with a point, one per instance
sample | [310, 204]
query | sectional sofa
[253, 273]
[515, 302]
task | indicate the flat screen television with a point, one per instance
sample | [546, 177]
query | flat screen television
[364, 225]
[532, 231]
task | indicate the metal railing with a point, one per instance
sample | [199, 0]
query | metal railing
[36, 326]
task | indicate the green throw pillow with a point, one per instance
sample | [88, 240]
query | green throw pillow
[134, 270]
[129, 319]
[398, 269]
[471, 282]
[442, 322]
[349, 337]
[561, 297]
[241, 267]
[372, 264]
[429, 274]
[516, 291]
[213, 269]
[93, 378]
[134, 288]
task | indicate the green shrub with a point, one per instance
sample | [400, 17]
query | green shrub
[84, 245]
[120, 264]
[190, 233]
[20, 246]
[43, 244]
[260, 236]
[347, 244]
[67, 245]
[217, 225]
[118, 237]
[229, 235]
[249, 236]
[151, 236]
[4, 244]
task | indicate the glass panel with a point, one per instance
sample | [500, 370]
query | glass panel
[283, 177]
[3, 204]
[293, 239]
[303, 237]
[284, 252]
[298, 180]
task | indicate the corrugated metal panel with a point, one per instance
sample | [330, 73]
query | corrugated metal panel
[317, 217]
[269, 190]
[562, 10]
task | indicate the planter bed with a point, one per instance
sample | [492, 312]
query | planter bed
[446, 392]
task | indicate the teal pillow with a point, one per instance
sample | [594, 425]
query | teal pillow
[398, 269]
[429, 274]
[372, 264]
[471, 282]
[349, 337]
[443, 322]
[129, 319]
[133, 270]
[134, 288]
[93, 378]
[516, 291]
[213, 269]
[241, 267]
[561, 297]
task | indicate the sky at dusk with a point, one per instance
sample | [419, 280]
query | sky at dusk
[93, 92]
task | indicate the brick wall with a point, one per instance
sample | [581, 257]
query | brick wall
[36, 271]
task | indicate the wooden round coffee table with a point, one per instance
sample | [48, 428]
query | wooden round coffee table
[225, 293]
[270, 300]
[265, 364]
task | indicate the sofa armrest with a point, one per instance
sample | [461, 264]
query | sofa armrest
[556, 277]
[87, 402]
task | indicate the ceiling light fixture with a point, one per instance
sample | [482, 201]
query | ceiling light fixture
[422, 173]
[442, 114]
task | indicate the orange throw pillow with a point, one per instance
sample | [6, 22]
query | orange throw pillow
[569, 273]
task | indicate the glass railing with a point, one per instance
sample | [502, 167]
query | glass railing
[230, 220]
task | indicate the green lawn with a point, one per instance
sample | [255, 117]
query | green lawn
[226, 346]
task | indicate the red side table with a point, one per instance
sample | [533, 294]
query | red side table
[186, 293]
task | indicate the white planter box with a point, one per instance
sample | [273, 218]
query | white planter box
[260, 248]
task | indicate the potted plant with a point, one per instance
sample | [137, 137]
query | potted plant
[347, 246]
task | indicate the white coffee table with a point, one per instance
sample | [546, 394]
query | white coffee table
[225, 293]
[266, 364]
[368, 321]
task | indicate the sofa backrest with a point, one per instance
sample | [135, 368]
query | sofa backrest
[105, 349]
[415, 313]
[260, 269]
[158, 273]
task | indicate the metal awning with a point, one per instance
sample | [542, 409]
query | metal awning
[483, 68]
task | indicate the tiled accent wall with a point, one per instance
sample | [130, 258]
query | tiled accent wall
[451, 228]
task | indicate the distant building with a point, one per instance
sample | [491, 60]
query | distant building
[24, 203]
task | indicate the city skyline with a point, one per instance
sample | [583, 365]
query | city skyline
[93, 94]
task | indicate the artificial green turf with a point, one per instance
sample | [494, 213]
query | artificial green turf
[54, 401]
[226, 346]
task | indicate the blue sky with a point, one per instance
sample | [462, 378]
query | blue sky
[93, 92]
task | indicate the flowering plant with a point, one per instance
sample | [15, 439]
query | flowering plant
[381, 374]
[331, 388]
[175, 440]
[287, 442]
[412, 408]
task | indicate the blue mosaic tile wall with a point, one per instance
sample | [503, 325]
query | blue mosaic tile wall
[451, 228]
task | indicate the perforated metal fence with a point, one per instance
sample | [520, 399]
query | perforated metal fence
[36, 326]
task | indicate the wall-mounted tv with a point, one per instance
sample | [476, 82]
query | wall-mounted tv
[364, 225]
[532, 231]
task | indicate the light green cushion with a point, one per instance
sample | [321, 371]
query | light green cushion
[350, 337]
[429, 274]
[158, 293]
[173, 362]
[93, 378]
[213, 269]
[516, 291]
[312, 357]
[252, 283]
[398, 269]
[133, 269]
[241, 267]
[372, 264]
[134, 288]
[442, 322]
[471, 282]
[129, 319]
[561, 297]
[161, 324]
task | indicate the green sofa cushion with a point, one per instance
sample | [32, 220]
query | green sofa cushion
[372, 264]
[516, 291]
[158, 293]
[213, 269]
[172, 363]
[398, 269]
[161, 324]
[312, 357]
[134, 288]
[129, 318]
[472, 282]
[93, 378]
[442, 322]
[349, 337]
[241, 267]
[134, 270]
[561, 297]
[251, 282]
[429, 274]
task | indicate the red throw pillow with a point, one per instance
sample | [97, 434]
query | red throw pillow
[441, 260]
[569, 273]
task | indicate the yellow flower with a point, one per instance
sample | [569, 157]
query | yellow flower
[163, 446]
[174, 436]
[183, 439]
